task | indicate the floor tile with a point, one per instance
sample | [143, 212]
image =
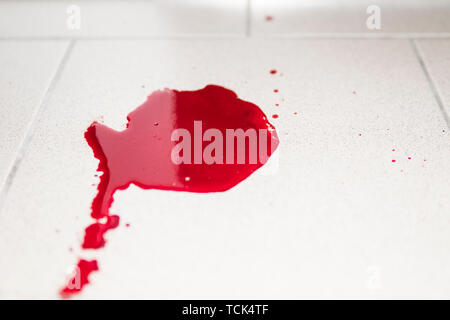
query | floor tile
[26, 71]
[99, 18]
[338, 219]
[327, 17]
[437, 61]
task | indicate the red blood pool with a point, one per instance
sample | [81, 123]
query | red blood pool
[142, 153]
[80, 277]
[273, 71]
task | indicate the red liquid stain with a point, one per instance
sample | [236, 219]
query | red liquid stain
[276, 90]
[274, 116]
[393, 160]
[273, 71]
[94, 234]
[141, 154]
[80, 278]
[269, 18]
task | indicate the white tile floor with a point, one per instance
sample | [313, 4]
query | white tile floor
[27, 69]
[436, 56]
[400, 18]
[136, 18]
[338, 219]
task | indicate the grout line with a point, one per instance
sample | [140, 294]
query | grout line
[23, 146]
[355, 35]
[248, 33]
[431, 82]
[124, 38]
[248, 19]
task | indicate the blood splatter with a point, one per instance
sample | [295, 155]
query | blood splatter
[269, 18]
[142, 153]
[80, 277]
[273, 71]
[94, 234]
[275, 116]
